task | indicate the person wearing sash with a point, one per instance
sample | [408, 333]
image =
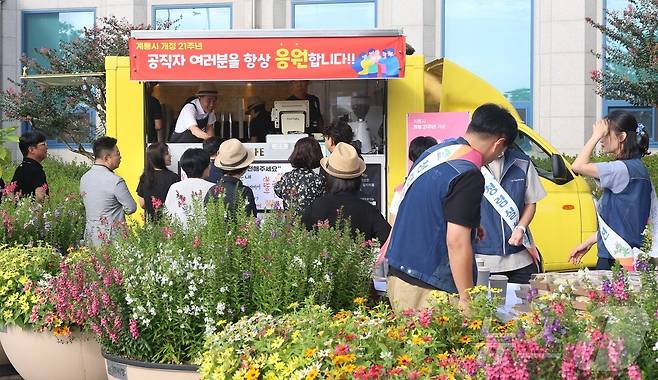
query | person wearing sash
[431, 246]
[502, 247]
[624, 206]
[196, 121]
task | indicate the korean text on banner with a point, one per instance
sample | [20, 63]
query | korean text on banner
[242, 59]
[440, 125]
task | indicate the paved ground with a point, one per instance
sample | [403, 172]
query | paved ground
[7, 372]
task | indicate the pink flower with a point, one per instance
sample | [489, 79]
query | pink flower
[10, 188]
[242, 242]
[342, 349]
[167, 232]
[181, 199]
[197, 242]
[156, 203]
[134, 331]
[425, 317]
[558, 308]
[415, 374]
[634, 372]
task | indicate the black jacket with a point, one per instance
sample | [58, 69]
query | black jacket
[229, 187]
[363, 216]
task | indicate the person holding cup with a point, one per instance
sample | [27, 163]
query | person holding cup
[625, 181]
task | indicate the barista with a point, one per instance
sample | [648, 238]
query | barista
[299, 89]
[260, 124]
[196, 121]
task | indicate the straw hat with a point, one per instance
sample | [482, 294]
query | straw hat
[206, 89]
[253, 101]
[343, 162]
[232, 155]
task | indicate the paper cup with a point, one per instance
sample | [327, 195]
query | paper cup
[499, 281]
[483, 276]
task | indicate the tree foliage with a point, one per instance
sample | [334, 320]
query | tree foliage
[61, 111]
[630, 54]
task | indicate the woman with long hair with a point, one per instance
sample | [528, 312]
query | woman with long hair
[624, 207]
[156, 179]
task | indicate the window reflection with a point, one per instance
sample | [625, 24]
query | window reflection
[334, 15]
[493, 39]
[206, 18]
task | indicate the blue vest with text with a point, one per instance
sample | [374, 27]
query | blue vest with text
[627, 212]
[497, 232]
[418, 242]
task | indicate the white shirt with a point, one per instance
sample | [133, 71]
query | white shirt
[190, 114]
[183, 195]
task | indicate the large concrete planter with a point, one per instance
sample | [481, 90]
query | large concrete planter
[39, 356]
[119, 368]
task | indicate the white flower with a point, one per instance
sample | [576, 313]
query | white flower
[222, 289]
[129, 299]
[385, 355]
[220, 308]
[655, 347]
[311, 280]
[327, 278]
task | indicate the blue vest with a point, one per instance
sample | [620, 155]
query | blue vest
[627, 212]
[497, 232]
[418, 242]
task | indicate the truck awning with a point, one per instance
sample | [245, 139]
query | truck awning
[266, 55]
[61, 80]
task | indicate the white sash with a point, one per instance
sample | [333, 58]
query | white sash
[504, 205]
[618, 247]
[433, 160]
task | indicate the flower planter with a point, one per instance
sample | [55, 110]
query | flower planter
[80, 359]
[119, 368]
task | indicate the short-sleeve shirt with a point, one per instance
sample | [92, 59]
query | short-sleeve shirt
[162, 181]
[189, 115]
[28, 176]
[613, 175]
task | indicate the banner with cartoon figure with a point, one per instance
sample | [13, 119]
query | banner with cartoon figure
[249, 59]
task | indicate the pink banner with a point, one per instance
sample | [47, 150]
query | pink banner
[440, 125]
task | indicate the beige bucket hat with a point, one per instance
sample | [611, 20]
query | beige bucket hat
[343, 162]
[232, 155]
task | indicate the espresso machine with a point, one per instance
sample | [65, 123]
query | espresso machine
[360, 107]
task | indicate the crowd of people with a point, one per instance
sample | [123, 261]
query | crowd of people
[443, 216]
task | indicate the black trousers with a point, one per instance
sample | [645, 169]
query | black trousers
[604, 264]
[521, 275]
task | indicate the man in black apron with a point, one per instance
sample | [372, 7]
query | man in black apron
[196, 121]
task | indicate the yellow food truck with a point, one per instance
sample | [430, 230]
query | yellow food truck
[362, 76]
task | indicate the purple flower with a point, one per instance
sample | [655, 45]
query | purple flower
[551, 329]
[607, 287]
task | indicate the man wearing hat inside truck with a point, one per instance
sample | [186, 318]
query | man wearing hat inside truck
[260, 123]
[196, 121]
[299, 89]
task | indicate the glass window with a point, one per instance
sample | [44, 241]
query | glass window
[644, 115]
[309, 14]
[205, 18]
[539, 157]
[493, 39]
[47, 29]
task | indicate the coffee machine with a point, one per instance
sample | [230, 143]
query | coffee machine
[360, 106]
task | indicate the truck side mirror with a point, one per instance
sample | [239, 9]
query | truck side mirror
[561, 174]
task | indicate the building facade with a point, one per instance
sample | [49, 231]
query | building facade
[537, 52]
